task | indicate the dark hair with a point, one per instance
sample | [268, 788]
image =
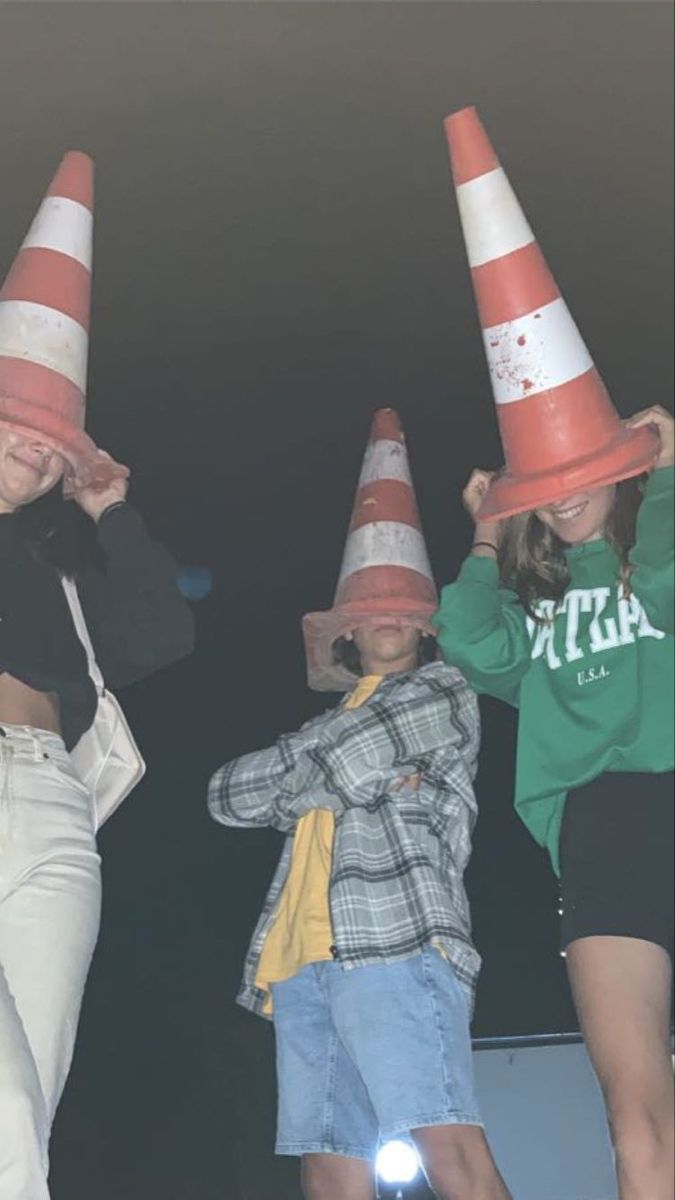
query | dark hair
[532, 558]
[59, 533]
[346, 653]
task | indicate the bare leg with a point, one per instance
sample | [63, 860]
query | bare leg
[622, 991]
[458, 1163]
[331, 1177]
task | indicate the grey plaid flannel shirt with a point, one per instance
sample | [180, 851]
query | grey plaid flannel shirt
[399, 854]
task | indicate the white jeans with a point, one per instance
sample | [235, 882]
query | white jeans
[50, 901]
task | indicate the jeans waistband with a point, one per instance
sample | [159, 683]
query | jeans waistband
[29, 742]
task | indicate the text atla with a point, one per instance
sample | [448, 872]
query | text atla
[587, 622]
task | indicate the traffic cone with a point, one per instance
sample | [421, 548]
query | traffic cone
[385, 569]
[44, 327]
[560, 431]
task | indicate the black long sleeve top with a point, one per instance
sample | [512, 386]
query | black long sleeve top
[136, 617]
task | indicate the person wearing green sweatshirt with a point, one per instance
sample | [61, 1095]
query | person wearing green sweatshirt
[567, 613]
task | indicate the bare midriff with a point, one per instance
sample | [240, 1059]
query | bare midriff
[22, 705]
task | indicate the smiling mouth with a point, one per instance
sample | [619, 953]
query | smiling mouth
[569, 514]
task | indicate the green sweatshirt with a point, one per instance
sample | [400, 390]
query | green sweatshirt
[594, 685]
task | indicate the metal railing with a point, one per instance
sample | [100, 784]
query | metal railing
[525, 1041]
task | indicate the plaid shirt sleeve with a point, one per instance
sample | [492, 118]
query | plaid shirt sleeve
[249, 792]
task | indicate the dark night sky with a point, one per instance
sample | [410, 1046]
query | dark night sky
[278, 253]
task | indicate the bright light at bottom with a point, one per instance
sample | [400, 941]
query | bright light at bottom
[397, 1162]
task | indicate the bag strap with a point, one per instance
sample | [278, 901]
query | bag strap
[80, 624]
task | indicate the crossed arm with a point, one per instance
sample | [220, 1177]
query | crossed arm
[426, 746]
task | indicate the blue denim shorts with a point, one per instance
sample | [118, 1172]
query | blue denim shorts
[371, 1053]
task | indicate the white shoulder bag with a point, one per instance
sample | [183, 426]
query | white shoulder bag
[106, 757]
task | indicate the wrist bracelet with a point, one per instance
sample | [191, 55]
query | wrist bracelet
[489, 545]
[111, 508]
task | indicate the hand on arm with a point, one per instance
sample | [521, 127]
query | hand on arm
[95, 501]
[408, 781]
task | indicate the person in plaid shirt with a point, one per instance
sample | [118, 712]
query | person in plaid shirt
[363, 955]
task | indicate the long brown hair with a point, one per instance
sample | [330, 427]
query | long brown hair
[532, 558]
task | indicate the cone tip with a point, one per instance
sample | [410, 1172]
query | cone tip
[386, 425]
[471, 151]
[461, 114]
[74, 178]
[81, 156]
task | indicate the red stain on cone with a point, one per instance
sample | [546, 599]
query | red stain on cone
[44, 327]
[560, 431]
[385, 568]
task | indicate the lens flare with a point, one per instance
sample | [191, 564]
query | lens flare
[397, 1162]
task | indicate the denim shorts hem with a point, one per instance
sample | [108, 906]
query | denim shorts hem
[297, 1149]
[427, 1121]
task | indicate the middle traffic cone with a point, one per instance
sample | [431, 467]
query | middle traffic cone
[560, 431]
[385, 569]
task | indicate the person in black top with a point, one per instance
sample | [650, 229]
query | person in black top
[49, 867]
[50, 887]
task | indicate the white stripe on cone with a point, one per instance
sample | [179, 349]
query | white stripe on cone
[63, 225]
[493, 222]
[385, 459]
[385, 544]
[534, 353]
[42, 335]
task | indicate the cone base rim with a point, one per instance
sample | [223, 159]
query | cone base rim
[632, 453]
[86, 466]
[322, 629]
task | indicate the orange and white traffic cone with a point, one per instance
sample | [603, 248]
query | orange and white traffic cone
[44, 327]
[385, 569]
[560, 431]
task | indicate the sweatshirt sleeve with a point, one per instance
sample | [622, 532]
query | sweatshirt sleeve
[652, 555]
[482, 630]
[137, 618]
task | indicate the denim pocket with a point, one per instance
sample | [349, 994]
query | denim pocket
[59, 771]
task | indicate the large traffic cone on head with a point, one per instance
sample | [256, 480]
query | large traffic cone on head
[560, 431]
[385, 569]
[44, 327]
